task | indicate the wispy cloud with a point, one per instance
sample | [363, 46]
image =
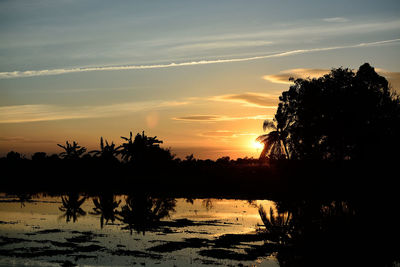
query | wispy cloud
[34, 73]
[250, 99]
[19, 139]
[225, 134]
[283, 76]
[216, 118]
[221, 45]
[276, 32]
[34, 113]
[336, 19]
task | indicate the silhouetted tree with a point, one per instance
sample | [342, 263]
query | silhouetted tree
[73, 151]
[107, 152]
[144, 150]
[14, 156]
[274, 141]
[39, 156]
[342, 115]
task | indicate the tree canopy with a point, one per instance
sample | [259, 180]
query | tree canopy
[344, 115]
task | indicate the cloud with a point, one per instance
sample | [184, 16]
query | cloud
[250, 99]
[35, 73]
[220, 133]
[292, 30]
[224, 133]
[18, 139]
[215, 118]
[34, 113]
[283, 76]
[336, 19]
[222, 45]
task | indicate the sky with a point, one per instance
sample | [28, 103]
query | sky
[200, 75]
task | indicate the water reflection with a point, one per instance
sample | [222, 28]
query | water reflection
[248, 232]
[105, 205]
[143, 212]
[330, 233]
[71, 207]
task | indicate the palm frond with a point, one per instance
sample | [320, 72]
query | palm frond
[269, 125]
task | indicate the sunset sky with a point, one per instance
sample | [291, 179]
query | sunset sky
[200, 75]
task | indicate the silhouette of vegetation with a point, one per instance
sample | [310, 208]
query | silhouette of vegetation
[14, 156]
[143, 150]
[331, 135]
[275, 141]
[71, 206]
[107, 152]
[72, 152]
[341, 116]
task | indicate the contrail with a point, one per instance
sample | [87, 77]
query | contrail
[34, 73]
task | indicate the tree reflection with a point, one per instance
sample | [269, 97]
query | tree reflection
[24, 197]
[278, 225]
[330, 233]
[142, 212]
[105, 206]
[71, 206]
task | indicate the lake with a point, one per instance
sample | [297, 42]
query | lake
[141, 229]
[122, 230]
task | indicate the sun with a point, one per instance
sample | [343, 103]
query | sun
[257, 145]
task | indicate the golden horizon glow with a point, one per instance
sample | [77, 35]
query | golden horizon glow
[257, 145]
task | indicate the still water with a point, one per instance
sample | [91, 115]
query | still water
[125, 230]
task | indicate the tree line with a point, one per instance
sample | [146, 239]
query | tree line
[336, 133]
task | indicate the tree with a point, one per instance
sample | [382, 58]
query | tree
[73, 151]
[274, 141]
[39, 156]
[107, 152]
[341, 116]
[144, 150]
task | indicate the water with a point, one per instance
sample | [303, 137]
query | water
[123, 230]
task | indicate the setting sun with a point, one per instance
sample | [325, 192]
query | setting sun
[257, 145]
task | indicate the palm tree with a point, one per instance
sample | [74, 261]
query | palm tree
[139, 148]
[274, 141]
[73, 151]
[105, 206]
[107, 151]
[71, 206]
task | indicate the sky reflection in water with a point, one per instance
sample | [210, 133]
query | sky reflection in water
[73, 229]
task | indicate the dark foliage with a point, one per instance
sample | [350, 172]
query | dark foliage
[341, 116]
